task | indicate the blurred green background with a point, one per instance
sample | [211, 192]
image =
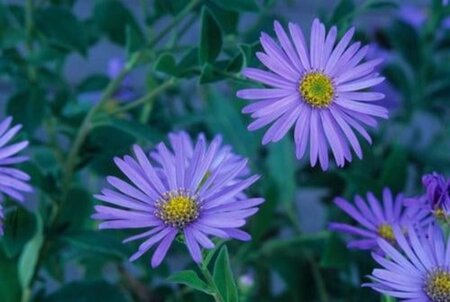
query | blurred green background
[161, 66]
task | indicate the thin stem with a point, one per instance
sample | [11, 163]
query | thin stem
[323, 296]
[86, 125]
[29, 7]
[149, 97]
[385, 298]
[209, 280]
[176, 20]
[110, 89]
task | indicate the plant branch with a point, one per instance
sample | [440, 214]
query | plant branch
[148, 98]
[209, 280]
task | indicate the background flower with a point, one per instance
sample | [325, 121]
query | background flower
[435, 203]
[375, 219]
[418, 270]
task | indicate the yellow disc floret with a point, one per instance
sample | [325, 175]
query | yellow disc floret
[177, 208]
[437, 285]
[317, 89]
[385, 231]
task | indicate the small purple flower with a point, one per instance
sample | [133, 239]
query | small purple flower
[417, 269]
[192, 190]
[13, 182]
[436, 200]
[413, 15]
[115, 67]
[322, 89]
[375, 219]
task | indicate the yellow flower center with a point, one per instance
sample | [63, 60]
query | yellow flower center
[177, 208]
[437, 285]
[385, 231]
[317, 89]
[440, 214]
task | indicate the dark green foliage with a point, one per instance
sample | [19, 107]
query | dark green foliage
[182, 64]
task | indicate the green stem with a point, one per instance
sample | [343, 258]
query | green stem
[385, 298]
[176, 20]
[86, 124]
[110, 89]
[29, 7]
[318, 279]
[209, 280]
[148, 98]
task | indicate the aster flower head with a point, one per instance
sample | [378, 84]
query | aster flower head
[13, 182]
[436, 201]
[320, 88]
[417, 269]
[375, 219]
[193, 190]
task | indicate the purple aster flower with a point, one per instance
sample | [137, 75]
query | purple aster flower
[13, 182]
[417, 269]
[375, 219]
[436, 201]
[194, 192]
[125, 92]
[322, 89]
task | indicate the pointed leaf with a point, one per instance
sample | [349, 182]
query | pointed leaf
[223, 277]
[191, 279]
[210, 37]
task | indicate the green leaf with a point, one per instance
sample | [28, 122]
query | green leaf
[223, 277]
[28, 108]
[336, 254]
[173, 7]
[210, 37]
[403, 37]
[30, 255]
[88, 291]
[224, 117]
[20, 226]
[342, 12]
[191, 279]
[76, 209]
[113, 18]
[10, 289]
[281, 165]
[96, 242]
[62, 28]
[134, 40]
[236, 64]
[382, 4]
[166, 63]
[186, 68]
[228, 19]
[132, 128]
[238, 5]
[189, 64]
[210, 74]
[394, 173]
[277, 245]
